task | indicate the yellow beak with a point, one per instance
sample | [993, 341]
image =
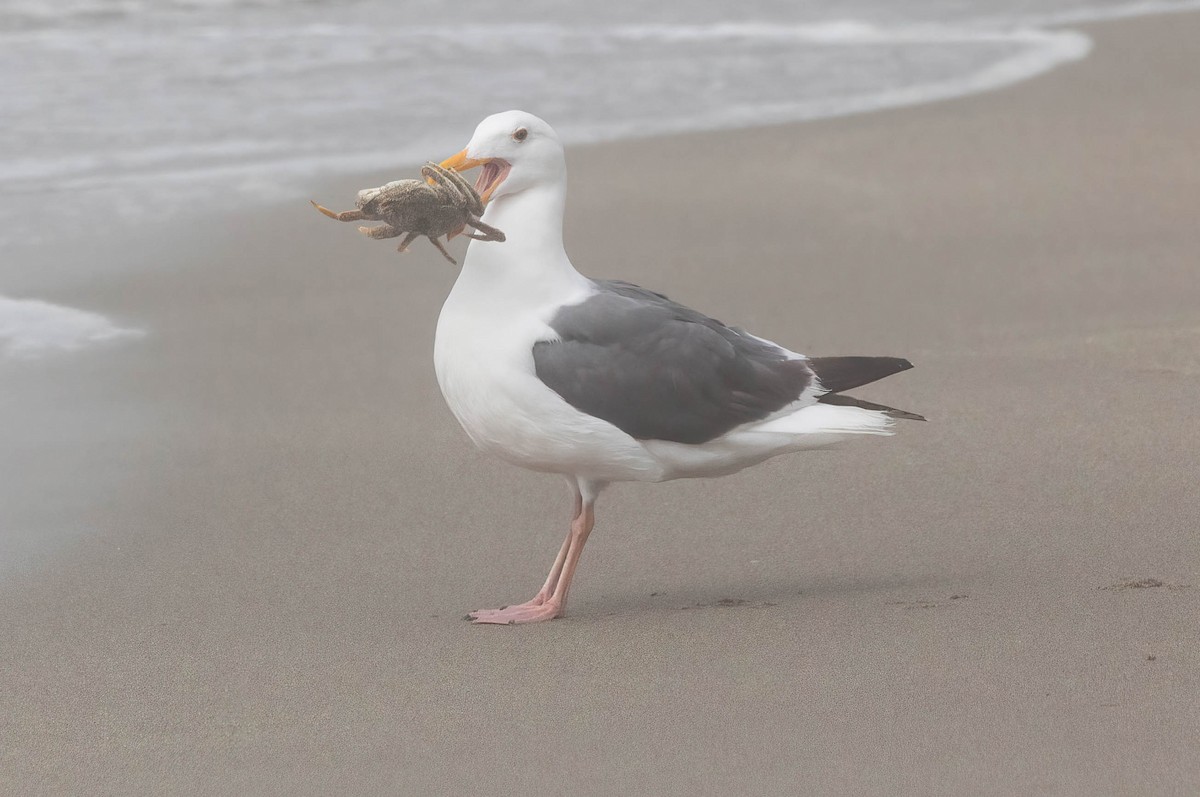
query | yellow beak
[460, 162]
[492, 176]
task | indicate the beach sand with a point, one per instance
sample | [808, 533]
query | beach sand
[266, 526]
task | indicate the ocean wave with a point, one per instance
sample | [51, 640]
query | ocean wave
[1044, 50]
[1086, 14]
[245, 104]
[360, 48]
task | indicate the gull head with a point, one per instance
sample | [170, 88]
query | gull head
[517, 151]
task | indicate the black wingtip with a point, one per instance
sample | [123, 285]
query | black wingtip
[846, 373]
[842, 400]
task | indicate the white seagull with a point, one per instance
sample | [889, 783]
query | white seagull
[602, 381]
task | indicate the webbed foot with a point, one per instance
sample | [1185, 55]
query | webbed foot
[534, 611]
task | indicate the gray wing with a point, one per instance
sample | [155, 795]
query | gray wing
[660, 371]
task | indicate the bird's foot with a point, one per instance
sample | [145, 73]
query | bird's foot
[534, 611]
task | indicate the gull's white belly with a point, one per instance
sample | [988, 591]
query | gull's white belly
[484, 365]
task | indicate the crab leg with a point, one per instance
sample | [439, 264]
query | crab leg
[412, 236]
[490, 232]
[455, 180]
[442, 249]
[382, 231]
[345, 215]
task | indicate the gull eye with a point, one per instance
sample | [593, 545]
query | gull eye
[520, 134]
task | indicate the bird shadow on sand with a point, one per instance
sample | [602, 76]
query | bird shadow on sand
[916, 593]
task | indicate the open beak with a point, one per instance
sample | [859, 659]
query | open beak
[494, 172]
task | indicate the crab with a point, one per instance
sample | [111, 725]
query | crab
[441, 204]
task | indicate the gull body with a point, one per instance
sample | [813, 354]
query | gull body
[603, 381]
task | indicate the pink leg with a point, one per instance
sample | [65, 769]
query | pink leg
[537, 600]
[551, 580]
[551, 600]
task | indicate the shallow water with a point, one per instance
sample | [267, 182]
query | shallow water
[150, 109]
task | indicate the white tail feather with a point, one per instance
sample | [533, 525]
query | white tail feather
[829, 419]
[812, 427]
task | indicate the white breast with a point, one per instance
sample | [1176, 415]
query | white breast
[483, 356]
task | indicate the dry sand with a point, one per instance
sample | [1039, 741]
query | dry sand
[277, 524]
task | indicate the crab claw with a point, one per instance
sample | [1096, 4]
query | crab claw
[457, 231]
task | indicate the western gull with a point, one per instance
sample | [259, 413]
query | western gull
[603, 381]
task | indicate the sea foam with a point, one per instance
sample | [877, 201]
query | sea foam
[30, 328]
[175, 108]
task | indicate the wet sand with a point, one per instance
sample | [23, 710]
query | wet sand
[266, 524]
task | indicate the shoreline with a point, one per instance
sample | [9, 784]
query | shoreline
[283, 522]
[1068, 27]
